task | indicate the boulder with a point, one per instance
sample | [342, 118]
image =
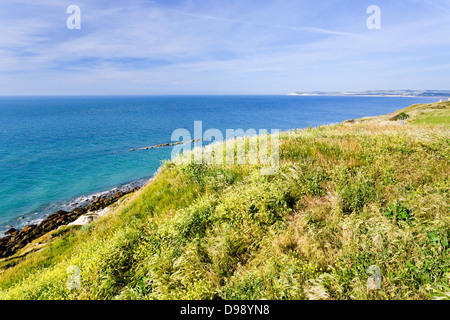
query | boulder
[11, 231]
[83, 220]
[27, 229]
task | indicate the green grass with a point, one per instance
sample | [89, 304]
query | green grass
[346, 197]
[435, 113]
[442, 117]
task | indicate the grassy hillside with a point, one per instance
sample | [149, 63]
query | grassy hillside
[367, 192]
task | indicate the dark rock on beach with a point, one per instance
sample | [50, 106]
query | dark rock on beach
[11, 231]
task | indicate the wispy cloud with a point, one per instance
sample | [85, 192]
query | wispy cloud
[437, 5]
[269, 25]
[215, 47]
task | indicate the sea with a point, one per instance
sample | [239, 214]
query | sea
[59, 151]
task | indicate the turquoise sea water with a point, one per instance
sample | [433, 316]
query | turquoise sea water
[55, 149]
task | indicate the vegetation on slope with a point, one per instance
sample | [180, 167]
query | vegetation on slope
[346, 197]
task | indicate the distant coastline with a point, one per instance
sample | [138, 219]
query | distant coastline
[438, 94]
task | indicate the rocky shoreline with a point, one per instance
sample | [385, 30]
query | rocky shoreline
[15, 240]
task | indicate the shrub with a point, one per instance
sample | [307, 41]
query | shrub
[398, 212]
[400, 116]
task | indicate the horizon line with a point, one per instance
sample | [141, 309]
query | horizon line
[212, 94]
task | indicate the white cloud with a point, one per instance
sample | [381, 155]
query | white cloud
[241, 47]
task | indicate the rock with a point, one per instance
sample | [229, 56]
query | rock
[83, 220]
[104, 211]
[5, 240]
[28, 228]
[60, 220]
[11, 231]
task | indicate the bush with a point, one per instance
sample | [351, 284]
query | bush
[401, 116]
[398, 212]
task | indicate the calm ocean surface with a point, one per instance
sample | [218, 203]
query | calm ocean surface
[55, 149]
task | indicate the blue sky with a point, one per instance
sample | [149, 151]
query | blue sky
[222, 47]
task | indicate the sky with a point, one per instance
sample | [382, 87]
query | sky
[178, 47]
